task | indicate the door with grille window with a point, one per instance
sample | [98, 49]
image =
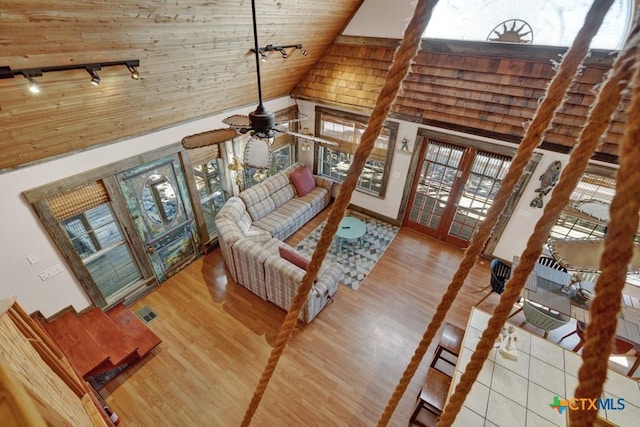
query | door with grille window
[158, 201]
[453, 190]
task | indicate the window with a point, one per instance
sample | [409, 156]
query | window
[548, 22]
[347, 130]
[98, 241]
[280, 159]
[210, 191]
[573, 222]
[86, 228]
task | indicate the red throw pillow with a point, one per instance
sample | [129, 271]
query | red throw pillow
[302, 180]
[293, 257]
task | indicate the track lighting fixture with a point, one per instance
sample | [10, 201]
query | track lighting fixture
[34, 86]
[264, 51]
[93, 72]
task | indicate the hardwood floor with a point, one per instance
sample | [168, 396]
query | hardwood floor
[340, 370]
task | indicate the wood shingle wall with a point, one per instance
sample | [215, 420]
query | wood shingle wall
[480, 88]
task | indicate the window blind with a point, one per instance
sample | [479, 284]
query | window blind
[78, 200]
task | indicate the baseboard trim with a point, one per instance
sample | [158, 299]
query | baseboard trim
[393, 221]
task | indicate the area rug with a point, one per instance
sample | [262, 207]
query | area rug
[357, 261]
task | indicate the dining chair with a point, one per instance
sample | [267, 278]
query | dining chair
[550, 262]
[620, 346]
[543, 318]
[500, 272]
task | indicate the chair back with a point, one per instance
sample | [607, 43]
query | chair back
[550, 262]
[631, 314]
[500, 272]
[542, 318]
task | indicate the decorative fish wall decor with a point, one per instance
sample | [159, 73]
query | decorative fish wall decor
[547, 182]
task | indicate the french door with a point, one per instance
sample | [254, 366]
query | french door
[453, 190]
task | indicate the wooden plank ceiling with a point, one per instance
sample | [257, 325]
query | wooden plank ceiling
[194, 62]
[480, 88]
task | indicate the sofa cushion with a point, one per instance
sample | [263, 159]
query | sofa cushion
[277, 181]
[236, 211]
[279, 225]
[255, 194]
[260, 209]
[293, 257]
[283, 195]
[318, 198]
[302, 180]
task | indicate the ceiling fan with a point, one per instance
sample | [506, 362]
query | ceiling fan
[261, 123]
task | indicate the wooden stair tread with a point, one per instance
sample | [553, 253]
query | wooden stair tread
[134, 328]
[107, 333]
[82, 350]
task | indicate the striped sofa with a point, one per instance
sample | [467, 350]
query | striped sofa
[251, 229]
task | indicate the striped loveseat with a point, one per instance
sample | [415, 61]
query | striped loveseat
[251, 230]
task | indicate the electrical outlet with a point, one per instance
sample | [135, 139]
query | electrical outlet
[47, 274]
[33, 259]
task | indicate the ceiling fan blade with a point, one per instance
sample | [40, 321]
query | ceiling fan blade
[210, 137]
[301, 117]
[312, 138]
[237, 121]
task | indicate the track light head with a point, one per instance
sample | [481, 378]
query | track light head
[135, 75]
[93, 72]
[34, 86]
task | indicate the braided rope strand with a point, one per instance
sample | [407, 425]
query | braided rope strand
[618, 250]
[533, 136]
[397, 72]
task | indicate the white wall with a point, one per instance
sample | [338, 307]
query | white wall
[381, 18]
[21, 231]
[522, 223]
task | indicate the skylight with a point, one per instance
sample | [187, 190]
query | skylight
[543, 22]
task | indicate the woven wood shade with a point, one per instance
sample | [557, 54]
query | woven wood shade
[78, 200]
[203, 155]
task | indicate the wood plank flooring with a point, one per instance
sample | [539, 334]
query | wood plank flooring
[340, 370]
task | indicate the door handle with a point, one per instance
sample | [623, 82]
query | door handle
[150, 249]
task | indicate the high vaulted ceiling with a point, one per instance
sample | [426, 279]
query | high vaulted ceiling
[194, 62]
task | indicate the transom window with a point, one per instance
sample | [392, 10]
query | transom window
[346, 130]
[543, 22]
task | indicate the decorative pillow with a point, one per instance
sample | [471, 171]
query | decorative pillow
[302, 180]
[293, 257]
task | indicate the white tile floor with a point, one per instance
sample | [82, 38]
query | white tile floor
[519, 393]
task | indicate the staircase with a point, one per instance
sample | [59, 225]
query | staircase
[97, 342]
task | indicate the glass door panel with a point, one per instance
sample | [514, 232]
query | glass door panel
[439, 168]
[482, 185]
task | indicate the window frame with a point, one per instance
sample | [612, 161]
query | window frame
[362, 120]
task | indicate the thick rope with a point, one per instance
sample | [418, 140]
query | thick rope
[597, 123]
[399, 69]
[618, 250]
[533, 137]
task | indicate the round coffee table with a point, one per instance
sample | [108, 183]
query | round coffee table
[350, 228]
